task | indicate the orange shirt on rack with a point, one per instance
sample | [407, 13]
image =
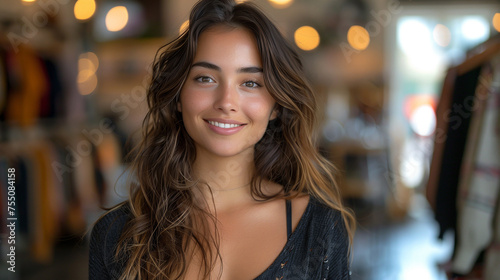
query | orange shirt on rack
[23, 105]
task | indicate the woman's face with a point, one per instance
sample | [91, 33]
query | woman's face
[224, 103]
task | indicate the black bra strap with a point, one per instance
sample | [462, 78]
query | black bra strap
[288, 217]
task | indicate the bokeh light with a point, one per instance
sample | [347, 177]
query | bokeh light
[496, 22]
[93, 58]
[414, 101]
[84, 9]
[281, 4]
[306, 38]
[475, 29]
[87, 78]
[441, 35]
[414, 37]
[423, 120]
[358, 37]
[116, 18]
[89, 83]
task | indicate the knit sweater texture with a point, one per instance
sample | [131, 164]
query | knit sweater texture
[317, 248]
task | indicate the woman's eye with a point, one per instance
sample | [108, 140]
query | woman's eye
[204, 79]
[251, 84]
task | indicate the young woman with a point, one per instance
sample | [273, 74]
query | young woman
[228, 184]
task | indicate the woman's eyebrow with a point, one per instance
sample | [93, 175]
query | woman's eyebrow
[205, 64]
[251, 69]
[208, 65]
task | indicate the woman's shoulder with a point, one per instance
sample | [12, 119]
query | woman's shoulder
[104, 238]
[325, 217]
[113, 220]
[328, 229]
[107, 230]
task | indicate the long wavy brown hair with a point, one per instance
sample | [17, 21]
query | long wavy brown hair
[162, 201]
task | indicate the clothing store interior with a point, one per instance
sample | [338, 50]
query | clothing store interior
[406, 93]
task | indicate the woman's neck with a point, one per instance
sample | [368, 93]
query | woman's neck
[224, 180]
[223, 173]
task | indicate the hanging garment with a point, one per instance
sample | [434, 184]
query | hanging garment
[473, 137]
[458, 118]
[480, 177]
[480, 55]
[46, 214]
[28, 85]
[492, 258]
[3, 84]
[51, 105]
[4, 165]
[22, 179]
[440, 136]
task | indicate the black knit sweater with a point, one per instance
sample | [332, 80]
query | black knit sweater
[317, 249]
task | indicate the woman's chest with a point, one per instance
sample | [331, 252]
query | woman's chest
[249, 244]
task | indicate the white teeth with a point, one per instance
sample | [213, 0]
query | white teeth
[224, 125]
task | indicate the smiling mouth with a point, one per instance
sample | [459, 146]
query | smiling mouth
[224, 125]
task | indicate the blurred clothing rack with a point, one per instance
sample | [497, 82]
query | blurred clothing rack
[464, 180]
[66, 167]
[62, 181]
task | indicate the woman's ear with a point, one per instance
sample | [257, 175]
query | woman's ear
[274, 113]
[179, 107]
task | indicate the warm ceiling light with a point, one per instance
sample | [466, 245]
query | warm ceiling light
[87, 78]
[281, 4]
[92, 57]
[496, 22]
[87, 82]
[88, 61]
[306, 38]
[85, 64]
[117, 18]
[358, 37]
[84, 76]
[84, 9]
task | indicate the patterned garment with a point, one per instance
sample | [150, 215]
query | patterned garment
[480, 176]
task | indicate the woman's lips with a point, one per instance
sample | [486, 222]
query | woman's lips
[224, 127]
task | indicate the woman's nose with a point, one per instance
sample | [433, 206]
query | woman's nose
[227, 99]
